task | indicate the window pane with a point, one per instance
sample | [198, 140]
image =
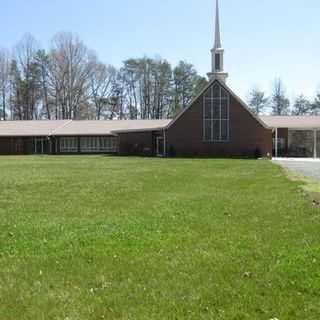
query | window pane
[224, 93]
[216, 91]
[207, 109]
[224, 130]
[207, 130]
[216, 130]
[68, 145]
[224, 109]
[107, 144]
[216, 109]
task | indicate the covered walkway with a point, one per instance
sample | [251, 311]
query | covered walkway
[295, 136]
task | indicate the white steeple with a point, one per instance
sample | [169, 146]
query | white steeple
[217, 53]
[217, 38]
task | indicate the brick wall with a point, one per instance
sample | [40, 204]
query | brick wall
[247, 134]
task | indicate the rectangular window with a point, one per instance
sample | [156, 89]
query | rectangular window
[69, 144]
[208, 130]
[225, 130]
[216, 109]
[98, 144]
[216, 130]
[208, 108]
[224, 109]
[215, 92]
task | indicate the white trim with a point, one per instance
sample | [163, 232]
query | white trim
[41, 140]
[68, 145]
[98, 144]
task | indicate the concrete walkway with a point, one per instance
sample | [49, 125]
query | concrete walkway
[306, 167]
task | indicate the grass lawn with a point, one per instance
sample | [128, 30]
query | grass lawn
[128, 238]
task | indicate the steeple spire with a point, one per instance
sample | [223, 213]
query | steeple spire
[217, 40]
[217, 53]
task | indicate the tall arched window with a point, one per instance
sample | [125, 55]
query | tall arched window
[216, 114]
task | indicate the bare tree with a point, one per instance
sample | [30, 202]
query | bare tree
[4, 81]
[279, 102]
[71, 70]
[102, 80]
[69, 82]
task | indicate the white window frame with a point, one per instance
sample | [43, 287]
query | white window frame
[212, 119]
[68, 144]
[105, 144]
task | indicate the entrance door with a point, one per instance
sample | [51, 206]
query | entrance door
[160, 146]
[40, 146]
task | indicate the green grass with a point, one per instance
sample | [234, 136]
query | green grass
[128, 238]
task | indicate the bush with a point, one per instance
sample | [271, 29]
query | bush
[257, 153]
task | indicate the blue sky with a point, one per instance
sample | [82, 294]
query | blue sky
[263, 39]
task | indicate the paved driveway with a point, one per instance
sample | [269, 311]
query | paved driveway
[308, 168]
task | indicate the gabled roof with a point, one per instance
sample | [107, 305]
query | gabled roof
[46, 128]
[292, 122]
[211, 82]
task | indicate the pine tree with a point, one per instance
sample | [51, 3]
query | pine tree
[302, 106]
[315, 107]
[258, 101]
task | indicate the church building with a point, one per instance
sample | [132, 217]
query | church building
[217, 123]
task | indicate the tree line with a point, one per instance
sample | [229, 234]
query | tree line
[278, 103]
[68, 81]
